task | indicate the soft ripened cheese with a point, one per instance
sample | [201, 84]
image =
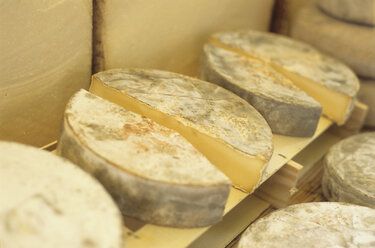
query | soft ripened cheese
[325, 79]
[349, 170]
[167, 34]
[46, 201]
[152, 172]
[352, 44]
[313, 225]
[360, 11]
[45, 54]
[366, 94]
[287, 109]
[221, 125]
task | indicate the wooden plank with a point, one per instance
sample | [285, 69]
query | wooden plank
[279, 188]
[286, 148]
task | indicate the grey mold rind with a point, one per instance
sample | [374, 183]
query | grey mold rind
[148, 200]
[283, 118]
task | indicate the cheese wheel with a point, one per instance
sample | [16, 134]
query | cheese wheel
[325, 79]
[366, 95]
[46, 201]
[313, 225]
[287, 109]
[360, 11]
[167, 34]
[221, 125]
[45, 49]
[352, 44]
[152, 172]
[349, 170]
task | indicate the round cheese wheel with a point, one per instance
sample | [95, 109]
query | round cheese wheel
[46, 201]
[313, 225]
[352, 44]
[349, 170]
[360, 11]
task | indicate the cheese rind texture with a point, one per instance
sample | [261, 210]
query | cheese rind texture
[224, 127]
[312, 225]
[349, 170]
[45, 49]
[287, 109]
[320, 76]
[167, 34]
[366, 95]
[352, 44]
[359, 11]
[152, 172]
[46, 201]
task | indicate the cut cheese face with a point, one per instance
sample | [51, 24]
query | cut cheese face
[45, 51]
[167, 34]
[352, 44]
[311, 225]
[287, 109]
[325, 79]
[360, 11]
[221, 125]
[366, 95]
[349, 171]
[46, 201]
[152, 172]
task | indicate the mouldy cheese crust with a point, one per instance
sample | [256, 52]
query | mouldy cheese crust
[313, 225]
[350, 43]
[320, 76]
[361, 11]
[46, 201]
[287, 109]
[224, 127]
[349, 170]
[152, 172]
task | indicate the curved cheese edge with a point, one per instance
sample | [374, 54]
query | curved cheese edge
[328, 81]
[222, 126]
[366, 95]
[352, 44]
[349, 170]
[46, 201]
[152, 172]
[317, 224]
[287, 109]
[362, 12]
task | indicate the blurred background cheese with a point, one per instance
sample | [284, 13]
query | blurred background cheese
[168, 34]
[360, 11]
[366, 95]
[45, 54]
[351, 43]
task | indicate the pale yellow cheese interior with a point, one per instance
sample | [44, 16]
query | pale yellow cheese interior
[242, 169]
[336, 106]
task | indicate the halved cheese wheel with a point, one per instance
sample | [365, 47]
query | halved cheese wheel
[152, 172]
[221, 125]
[313, 225]
[46, 201]
[327, 80]
[286, 108]
[349, 170]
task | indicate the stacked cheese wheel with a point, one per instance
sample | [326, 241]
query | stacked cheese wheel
[290, 83]
[349, 170]
[313, 225]
[344, 29]
[153, 172]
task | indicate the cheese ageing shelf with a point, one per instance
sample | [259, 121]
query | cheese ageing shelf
[240, 211]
